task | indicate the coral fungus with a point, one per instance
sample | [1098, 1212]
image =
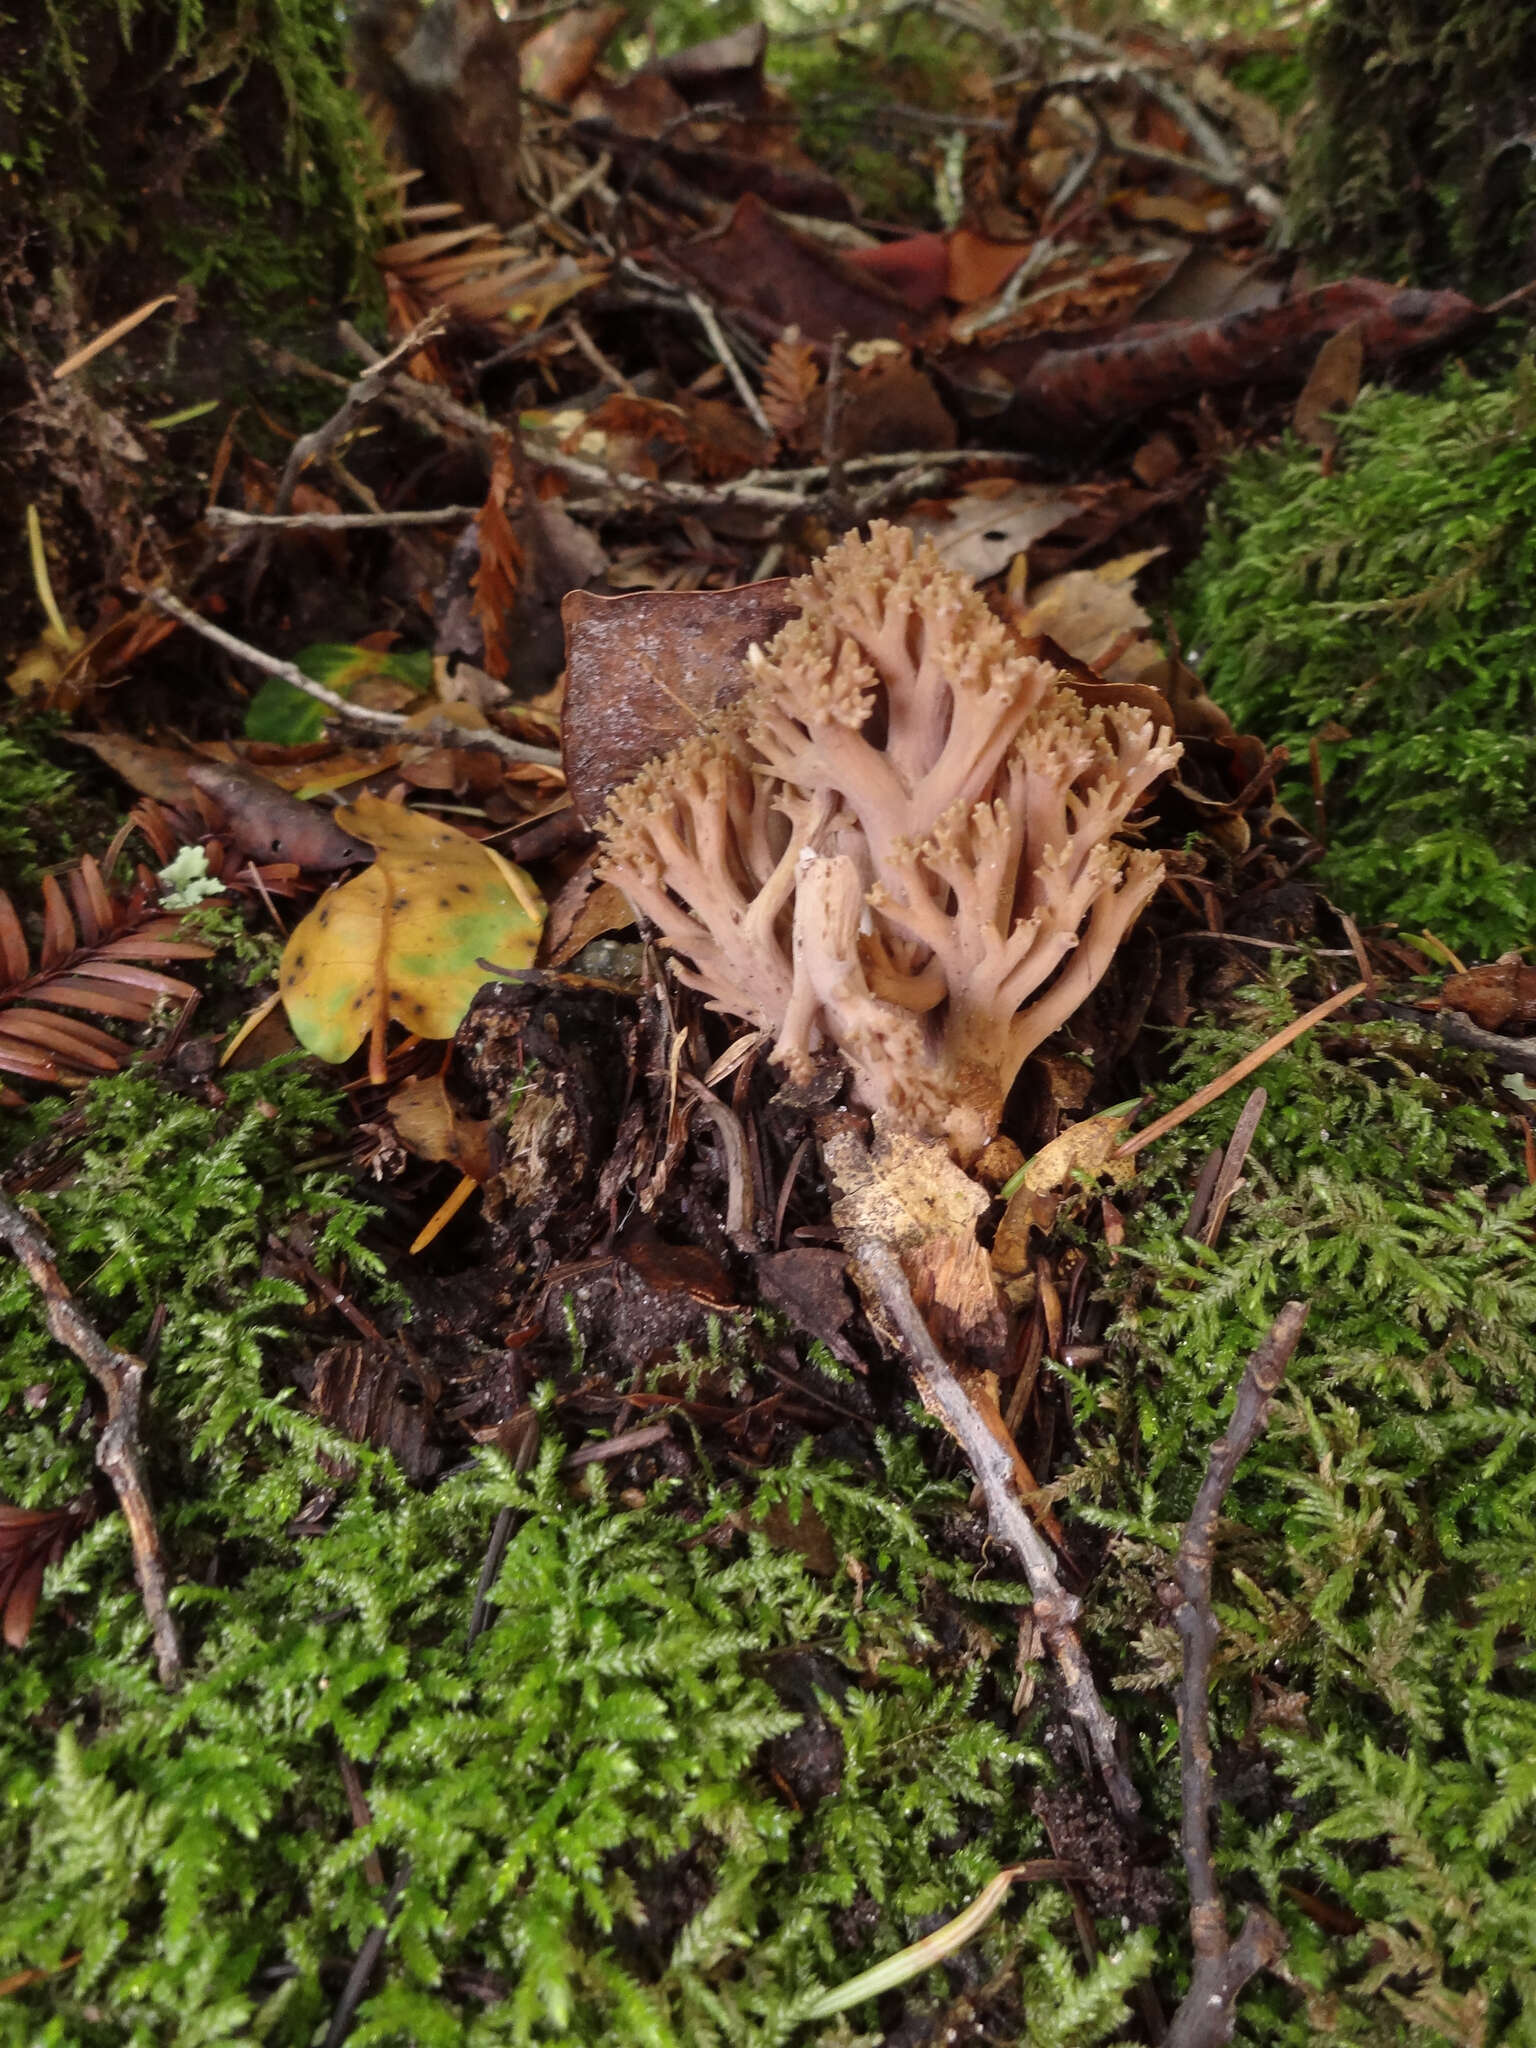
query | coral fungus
[900, 843]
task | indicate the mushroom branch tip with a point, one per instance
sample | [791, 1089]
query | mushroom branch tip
[902, 843]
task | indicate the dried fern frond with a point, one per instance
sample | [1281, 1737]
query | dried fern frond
[99, 954]
[790, 375]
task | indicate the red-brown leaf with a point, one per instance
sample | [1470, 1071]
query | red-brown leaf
[85, 909]
[79, 992]
[102, 969]
[501, 562]
[59, 939]
[23, 1593]
[13, 942]
[25, 1061]
[65, 1036]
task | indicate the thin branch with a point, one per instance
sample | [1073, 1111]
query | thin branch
[310, 447]
[355, 1989]
[383, 722]
[340, 522]
[992, 1461]
[761, 490]
[1514, 1055]
[1222, 1966]
[839, 507]
[120, 1377]
[709, 321]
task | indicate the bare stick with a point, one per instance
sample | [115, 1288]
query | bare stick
[839, 509]
[1222, 1966]
[710, 323]
[310, 447]
[340, 522]
[388, 722]
[120, 1377]
[993, 1463]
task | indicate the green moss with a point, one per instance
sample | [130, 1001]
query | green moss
[180, 142]
[1387, 613]
[1376, 1572]
[1415, 161]
[31, 794]
[597, 1847]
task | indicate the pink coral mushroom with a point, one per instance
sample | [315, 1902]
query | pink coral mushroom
[900, 843]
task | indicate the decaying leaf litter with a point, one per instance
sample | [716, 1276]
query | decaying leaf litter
[672, 364]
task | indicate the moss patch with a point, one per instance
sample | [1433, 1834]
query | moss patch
[1376, 1697]
[1386, 614]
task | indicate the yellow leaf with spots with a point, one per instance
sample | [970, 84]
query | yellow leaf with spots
[402, 940]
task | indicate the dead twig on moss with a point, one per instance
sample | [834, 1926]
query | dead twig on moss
[120, 1377]
[1248, 1064]
[391, 722]
[1222, 1965]
[991, 1460]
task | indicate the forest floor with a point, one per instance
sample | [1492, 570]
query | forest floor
[475, 1563]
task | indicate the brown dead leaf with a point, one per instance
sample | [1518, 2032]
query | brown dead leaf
[1498, 997]
[433, 1126]
[1093, 614]
[982, 530]
[645, 669]
[1333, 386]
[268, 824]
[160, 772]
[583, 910]
[501, 560]
[790, 375]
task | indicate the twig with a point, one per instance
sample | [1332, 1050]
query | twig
[1222, 1966]
[710, 323]
[391, 722]
[501, 1534]
[1228, 1179]
[760, 490]
[340, 522]
[368, 1954]
[835, 495]
[609, 372]
[311, 447]
[1248, 1064]
[992, 1462]
[594, 174]
[1517, 1055]
[120, 1377]
[741, 1196]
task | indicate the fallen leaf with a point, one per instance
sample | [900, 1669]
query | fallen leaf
[495, 580]
[160, 772]
[1333, 386]
[432, 1125]
[403, 939]
[269, 824]
[1093, 615]
[790, 375]
[779, 278]
[644, 670]
[980, 532]
[1499, 997]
